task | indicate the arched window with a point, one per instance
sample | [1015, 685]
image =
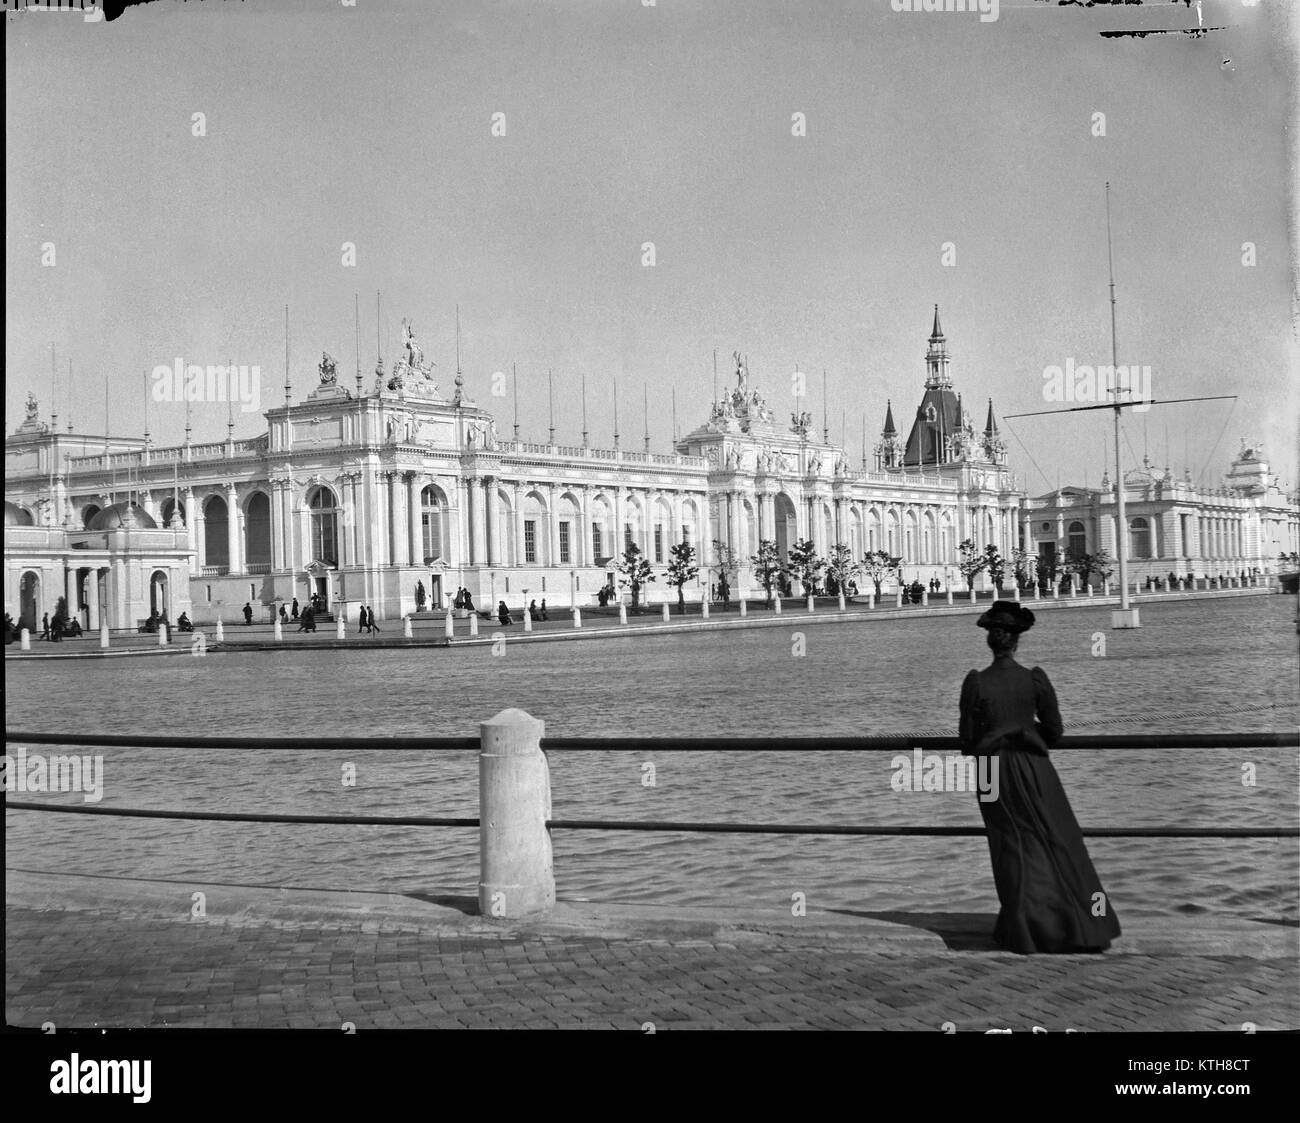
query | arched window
[431, 524]
[216, 546]
[1140, 538]
[1077, 539]
[171, 507]
[324, 526]
[257, 531]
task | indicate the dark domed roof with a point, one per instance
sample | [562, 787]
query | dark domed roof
[129, 515]
[16, 516]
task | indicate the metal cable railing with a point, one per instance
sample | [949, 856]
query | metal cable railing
[650, 745]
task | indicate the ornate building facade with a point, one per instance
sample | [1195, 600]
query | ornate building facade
[355, 495]
[1242, 526]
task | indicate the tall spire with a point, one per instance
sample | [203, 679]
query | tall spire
[889, 429]
[937, 374]
[991, 425]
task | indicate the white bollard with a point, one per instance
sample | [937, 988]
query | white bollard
[221, 631]
[871, 601]
[704, 608]
[577, 616]
[473, 623]
[972, 594]
[1074, 589]
[950, 596]
[1088, 588]
[898, 599]
[448, 625]
[278, 631]
[406, 628]
[103, 635]
[1056, 589]
[1015, 594]
[24, 640]
[925, 597]
[622, 613]
[744, 607]
[776, 605]
[516, 871]
[1038, 594]
[528, 620]
[812, 606]
[665, 612]
[843, 606]
[339, 632]
[162, 635]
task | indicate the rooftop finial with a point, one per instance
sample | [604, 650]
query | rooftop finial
[937, 332]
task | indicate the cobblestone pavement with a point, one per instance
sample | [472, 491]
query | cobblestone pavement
[92, 968]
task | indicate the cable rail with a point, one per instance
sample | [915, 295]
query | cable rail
[615, 743]
[650, 745]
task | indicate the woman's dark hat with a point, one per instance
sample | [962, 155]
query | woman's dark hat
[1007, 615]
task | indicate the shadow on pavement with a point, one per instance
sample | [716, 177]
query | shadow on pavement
[960, 931]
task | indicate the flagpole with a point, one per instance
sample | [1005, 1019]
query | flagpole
[1126, 617]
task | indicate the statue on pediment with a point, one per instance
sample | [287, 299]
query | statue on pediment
[32, 406]
[327, 369]
[802, 423]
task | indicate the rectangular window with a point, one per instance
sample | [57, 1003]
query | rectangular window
[530, 541]
[432, 526]
[659, 542]
[564, 543]
[252, 592]
[209, 594]
[543, 584]
[595, 540]
[507, 584]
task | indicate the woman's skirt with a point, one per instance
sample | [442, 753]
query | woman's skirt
[1051, 897]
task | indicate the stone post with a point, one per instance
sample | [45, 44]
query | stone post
[162, 635]
[528, 616]
[24, 640]
[448, 625]
[776, 605]
[406, 628]
[1038, 594]
[622, 613]
[473, 623]
[843, 606]
[338, 627]
[949, 596]
[665, 612]
[1056, 589]
[221, 631]
[516, 874]
[812, 607]
[925, 597]
[704, 606]
[898, 598]
[1015, 594]
[577, 616]
[277, 631]
[103, 635]
[744, 606]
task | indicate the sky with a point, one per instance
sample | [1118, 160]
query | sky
[945, 159]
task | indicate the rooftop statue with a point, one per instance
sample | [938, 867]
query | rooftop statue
[327, 369]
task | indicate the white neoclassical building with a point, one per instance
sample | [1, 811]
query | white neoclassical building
[359, 494]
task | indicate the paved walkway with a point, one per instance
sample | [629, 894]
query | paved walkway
[84, 952]
[428, 628]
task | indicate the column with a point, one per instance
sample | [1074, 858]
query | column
[92, 599]
[232, 528]
[348, 501]
[71, 591]
[492, 520]
[396, 547]
[582, 539]
[517, 524]
[553, 521]
[413, 522]
[478, 539]
[192, 532]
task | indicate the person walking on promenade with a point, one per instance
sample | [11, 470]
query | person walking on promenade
[45, 627]
[503, 613]
[361, 619]
[307, 621]
[284, 616]
[370, 620]
[544, 615]
[534, 613]
[248, 614]
[1051, 898]
[294, 613]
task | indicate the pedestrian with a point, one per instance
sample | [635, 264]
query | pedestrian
[45, 627]
[307, 621]
[533, 612]
[361, 619]
[248, 614]
[284, 616]
[1051, 898]
[503, 613]
[370, 620]
[544, 616]
[295, 608]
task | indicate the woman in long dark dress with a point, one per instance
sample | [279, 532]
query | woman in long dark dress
[1051, 897]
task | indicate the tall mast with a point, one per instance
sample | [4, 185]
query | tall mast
[826, 432]
[458, 339]
[514, 374]
[54, 383]
[356, 305]
[584, 409]
[645, 410]
[1121, 522]
[288, 386]
[70, 395]
[550, 401]
[616, 411]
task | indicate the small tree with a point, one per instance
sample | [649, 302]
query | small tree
[840, 567]
[682, 568]
[971, 562]
[634, 572]
[1046, 568]
[877, 565]
[727, 567]
[806, 563]
[995, 564]
[1086, 564]
[768, 566]
[1022, 567]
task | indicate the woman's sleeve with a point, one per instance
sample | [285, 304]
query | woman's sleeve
[1049, 714]
[967, 728]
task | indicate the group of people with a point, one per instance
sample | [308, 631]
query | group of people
[366, 620]
[159, 620]
[462, 599]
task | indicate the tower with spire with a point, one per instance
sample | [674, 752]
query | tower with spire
[889, 452]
